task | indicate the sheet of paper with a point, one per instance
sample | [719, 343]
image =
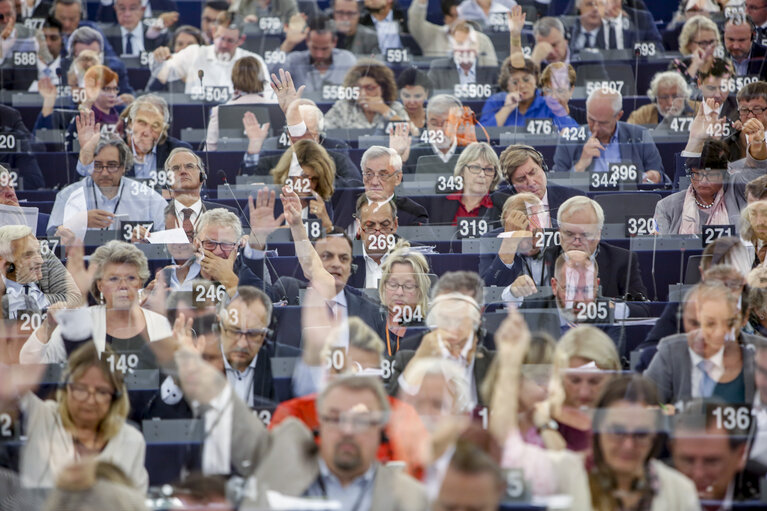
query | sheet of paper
[176, 236]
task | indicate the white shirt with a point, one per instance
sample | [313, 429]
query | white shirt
[373, 271]
[615, 24]
[715, 373]
[217, 72]
[47, 70]
[196, 212]
[137, 39]
[547, 214]
[193, 273]
[241, 381]
[16, 297]
[26, 11]
[216, 451]
[759, 446]
[467, 78]
[340, 308]
[445, 157]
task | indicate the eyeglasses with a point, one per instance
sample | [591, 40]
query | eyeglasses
[110, 166]
[354, 421]
[373, 226]
[111, 90]
[346, 14]
[130, 279]
[712, 176]
[585, 236]
[637, 435]
[757, 110]
[253, 335]
[226, 246]
[381, 175]
[407, 287]
[476, 169]
[706, 43]
[525, 79]
[82, 393]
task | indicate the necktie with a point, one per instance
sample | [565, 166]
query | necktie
[128, 44]
[331, 310]
[707, 383]
[187, 224]
[613, 38]
[591, 39]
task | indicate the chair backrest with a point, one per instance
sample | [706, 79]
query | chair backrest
[620, 205]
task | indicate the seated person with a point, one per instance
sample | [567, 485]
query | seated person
[118, 321]
[100, 88]
[146, 123]
[21, 160]
[550, 37]
[243, 332]
[557, 83]
[522, 168]
[183, 36]
[477, 166]
[106, 197]
[461, 66]
[670, 97]
[752, 229]
[414, 87]
[454, 319]
[630, 26]
[304, 121]
[377, 228]
[375, 107]
[746, 53]
[14, 213]
[709, 199]
[70, 428]
[752, 103]
[381, 174]
[131, 35]
[388, 19]
[89, 38]
[609, 140]
[214, 60]
[709, 362]
[698, 41]
[521, 99]
[352, 36]
[31, 282]
[404, 291]
[49, 54]
[442, 141]
[250, 9]
[434, 39]
[589, 31]
[480, 11]
[322, 63]
[17, 38]
[248, 89]
[714, 457]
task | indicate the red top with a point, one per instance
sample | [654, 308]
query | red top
[486, 202]
[404, 431]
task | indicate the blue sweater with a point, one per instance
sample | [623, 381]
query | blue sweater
[537, 110]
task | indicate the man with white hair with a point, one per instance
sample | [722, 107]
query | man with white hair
[589, 32]
[89, 38]
[217, 242]
[442, 146]
[31, 281]
[671, 99]
[550, 42]
[608, 140]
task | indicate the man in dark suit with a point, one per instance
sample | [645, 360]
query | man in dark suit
[714, 457]
[40, 10]
[524, 170]
[608, 140]
[459, 344]
[358, 39]
[446, 74]
[129, 37]
[443, 150]
[387, 19]
[106, 14]
[88, 37]
[748, 56]
[8, 198]
[17, 154]
[588, 32]
[627, 26]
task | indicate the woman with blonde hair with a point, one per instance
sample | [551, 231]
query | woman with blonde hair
[87, 420]
[404, 291]
[698, 42]
[312, 173]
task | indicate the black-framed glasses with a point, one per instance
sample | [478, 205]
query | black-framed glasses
[712, 176]
[476, 169]
[407, 287]
[757, 110]
[226, 246]
[110, 166]
[252, 335]
[82, 393]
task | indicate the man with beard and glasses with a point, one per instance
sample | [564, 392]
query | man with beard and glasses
[322, 63]
[748, 56]
[30, 281]
[352, 36]
[671, 99]
[214, 60]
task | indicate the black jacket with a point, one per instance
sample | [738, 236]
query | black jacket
[556, 195]
[163, 150]
[114, 36]
[409, 212]
[21, 160]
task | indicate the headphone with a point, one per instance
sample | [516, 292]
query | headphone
[534, 153]
[739, 18]
[133, 108]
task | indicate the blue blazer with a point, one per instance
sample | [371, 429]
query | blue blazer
[636, 146]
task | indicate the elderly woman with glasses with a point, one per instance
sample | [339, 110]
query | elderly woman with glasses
[404, 291]
[373, 102]
[87, 420]
[698, 42]
[753, 228]
[520, 99]
[120, 272]
[476, 171]
[708, 200]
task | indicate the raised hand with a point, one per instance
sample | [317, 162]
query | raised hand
[169, 18]
[88, 130]
[255, 132]
[76, 267]
[262, 221]
[46, 88]
[291, 205]
[285, 90]
[516, 18]
[399, 139]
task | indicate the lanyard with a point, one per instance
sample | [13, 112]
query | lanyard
[388, 341]
[119, 198]
[361, 495]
